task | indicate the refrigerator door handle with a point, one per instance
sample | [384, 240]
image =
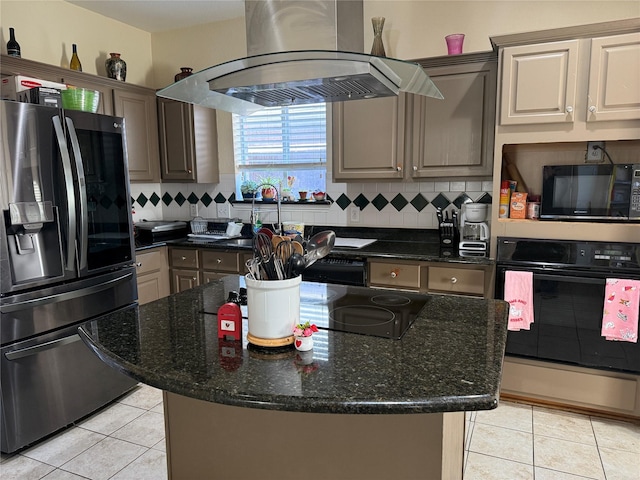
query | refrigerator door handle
[84, 216]
[34, 350]
[68, 181]
[61, 297]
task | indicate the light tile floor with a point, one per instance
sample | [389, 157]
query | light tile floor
[125, 441]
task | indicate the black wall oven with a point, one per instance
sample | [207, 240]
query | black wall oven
[568, 298]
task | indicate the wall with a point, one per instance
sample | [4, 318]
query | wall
[416, 29]
[46, 29]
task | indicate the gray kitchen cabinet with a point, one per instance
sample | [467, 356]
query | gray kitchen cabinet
[460, 279]
[185, 269]
[217, 263]
[191, 267]
[141, 123]
[412, 136]
[188, 142]
[135, 103]
[394, 274]
[430, 277]
[454, 137]
[368, 138]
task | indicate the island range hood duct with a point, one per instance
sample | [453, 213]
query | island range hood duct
[301, 52]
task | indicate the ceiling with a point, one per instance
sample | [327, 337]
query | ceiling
[161, 15]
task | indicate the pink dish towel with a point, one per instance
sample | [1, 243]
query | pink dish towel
[620, 312]
[518, 291]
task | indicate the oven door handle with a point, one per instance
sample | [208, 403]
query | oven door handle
[559, 277]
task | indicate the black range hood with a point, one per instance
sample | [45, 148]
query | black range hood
[284, 68]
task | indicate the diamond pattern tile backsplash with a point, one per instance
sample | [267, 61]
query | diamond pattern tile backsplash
[400, 205]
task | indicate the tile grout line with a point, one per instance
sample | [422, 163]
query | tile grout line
[595, 438]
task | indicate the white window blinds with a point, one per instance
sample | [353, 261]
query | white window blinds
[281, 136]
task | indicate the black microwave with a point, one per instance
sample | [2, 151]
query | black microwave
[591, 192]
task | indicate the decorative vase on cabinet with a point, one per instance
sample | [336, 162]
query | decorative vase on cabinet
[378, 47]
[116, 67]
[184, 73]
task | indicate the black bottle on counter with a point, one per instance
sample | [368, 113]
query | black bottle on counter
[13, 47]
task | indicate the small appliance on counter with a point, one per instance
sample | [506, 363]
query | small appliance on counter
[148, 232]
[474, 230]
[448, 229]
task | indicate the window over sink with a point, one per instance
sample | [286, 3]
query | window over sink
[284, 146]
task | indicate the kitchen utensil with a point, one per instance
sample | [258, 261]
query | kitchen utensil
[297, 264]
[283, 252]
[264, 252]
[297, 247]
[266, 231]
[276, 239]
[319, 246]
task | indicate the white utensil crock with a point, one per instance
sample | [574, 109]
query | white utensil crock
[273, 306]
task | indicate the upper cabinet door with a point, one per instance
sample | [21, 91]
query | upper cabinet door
[141, 127]
[614, 78]
[454, 136]
[176, 140]
[188, 142]
[539, 83]
[368, 138]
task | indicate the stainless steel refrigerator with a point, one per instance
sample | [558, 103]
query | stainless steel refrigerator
[66, 256]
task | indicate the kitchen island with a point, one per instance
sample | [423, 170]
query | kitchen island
[355, 407]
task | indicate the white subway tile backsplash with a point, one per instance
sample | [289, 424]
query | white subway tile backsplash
[441, 186]
[427, 186]
[457, 186]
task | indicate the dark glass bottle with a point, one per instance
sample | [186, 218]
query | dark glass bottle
[75, 60]
[13, 47]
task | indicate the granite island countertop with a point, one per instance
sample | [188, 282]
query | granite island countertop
[449, 360]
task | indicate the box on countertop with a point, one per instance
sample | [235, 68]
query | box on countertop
[13, 85]
[518, 205]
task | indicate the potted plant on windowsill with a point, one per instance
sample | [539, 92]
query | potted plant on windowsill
[249, 189]
[268, 188]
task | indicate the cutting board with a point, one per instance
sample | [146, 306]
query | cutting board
[353, 242]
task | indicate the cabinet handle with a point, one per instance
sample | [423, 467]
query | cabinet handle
[218, 261]
[139, 264]
[569, 109]
[184, 258]
[394, 273]
[454, 280]
[592, 109]
[398, 168]
[415, 169]
[189, 171]
[194, 279]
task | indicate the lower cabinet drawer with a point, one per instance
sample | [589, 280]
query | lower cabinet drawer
[152, 261]
[383, 274]
[456, 280]
[220, 261]
[184, 258]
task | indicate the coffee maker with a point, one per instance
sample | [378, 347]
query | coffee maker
[474, 230]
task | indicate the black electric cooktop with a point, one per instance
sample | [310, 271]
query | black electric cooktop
[381, 313]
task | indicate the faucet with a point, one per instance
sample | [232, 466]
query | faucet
[279, 207]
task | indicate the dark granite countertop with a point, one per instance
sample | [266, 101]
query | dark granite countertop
[449, 360]
[407, 244]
